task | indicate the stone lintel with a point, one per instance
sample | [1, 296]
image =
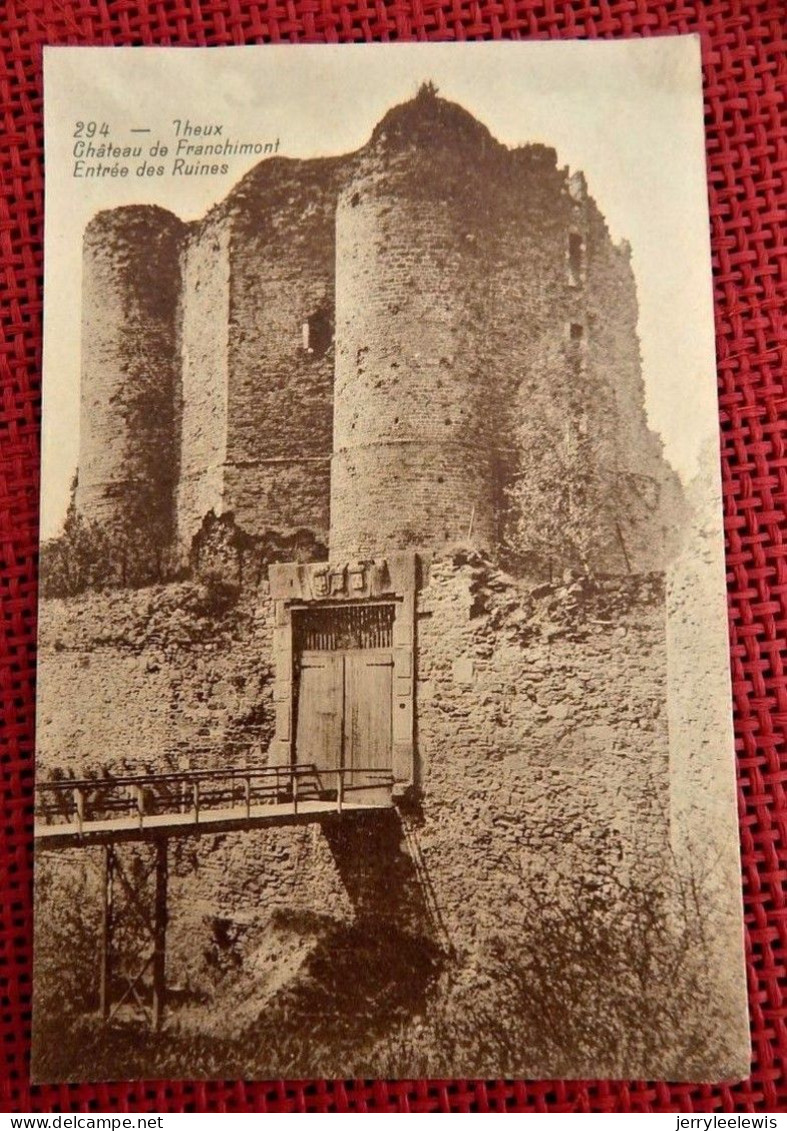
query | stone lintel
[394, 575]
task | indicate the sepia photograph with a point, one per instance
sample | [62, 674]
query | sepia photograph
[383, 718]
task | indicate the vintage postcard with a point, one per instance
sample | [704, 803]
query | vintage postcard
[384, 718]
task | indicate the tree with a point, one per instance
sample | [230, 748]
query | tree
[79, 559]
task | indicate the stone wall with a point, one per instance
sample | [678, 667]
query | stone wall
[414, 418]
[488, 379]
[542, 739]
[588, 483]
[205, 378]
[542, 773]
[258, 354]
[157, 679]
[528, 353]
[281, 345]
[704, 799]
[425, 493]
[626, 456]
[481, 326]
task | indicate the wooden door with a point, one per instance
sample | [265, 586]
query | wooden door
[319, 718]
[368, 687]
[344, 699]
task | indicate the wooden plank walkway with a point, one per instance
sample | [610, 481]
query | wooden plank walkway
[72, 814]
[119, 829]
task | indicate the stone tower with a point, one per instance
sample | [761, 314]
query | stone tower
[129, 450]
[414, 430]
[429, 342]
[258, 353]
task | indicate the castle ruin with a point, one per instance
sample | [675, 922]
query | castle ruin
[415, 370]
[429, 342]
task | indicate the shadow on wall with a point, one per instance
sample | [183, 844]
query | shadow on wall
[379, 863]
[358, 980]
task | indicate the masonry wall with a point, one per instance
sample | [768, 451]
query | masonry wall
[158, 679]
[528, 358]
[542, 763]
[564, 422]
[130, 371]
[516, 438]
[481, 326]
[202, 408]
[628, 454]
[542, 737]
[280, 411]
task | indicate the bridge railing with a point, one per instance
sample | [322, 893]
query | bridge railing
[237, 791]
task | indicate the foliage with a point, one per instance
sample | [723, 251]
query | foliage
[603, 979]
[88, 555]
[559, 483]
[596, 987]
[66, 950]
[79, 559]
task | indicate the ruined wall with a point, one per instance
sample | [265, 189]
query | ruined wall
[704, 826]
[203, 403]
[258, 388]
[159, 679]
[542, 738]
[590, 487]
[130, 371]
[641, 496]
[566, 417]
[530, 365]
[482, 329]
[542, 761]
[281, 354]
[488, 380]
[162, 679]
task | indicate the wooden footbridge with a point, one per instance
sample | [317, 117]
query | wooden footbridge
[109, 812]
[75, 813]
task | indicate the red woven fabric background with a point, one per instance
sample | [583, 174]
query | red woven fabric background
[745, 62]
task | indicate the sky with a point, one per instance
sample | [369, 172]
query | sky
[628, 113]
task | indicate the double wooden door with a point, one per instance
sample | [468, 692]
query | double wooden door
[344, 700]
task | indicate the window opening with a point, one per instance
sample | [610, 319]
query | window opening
[317, 333]
[576, 259]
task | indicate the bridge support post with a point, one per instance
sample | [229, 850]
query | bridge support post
[105, 972]
[133, 975]
[160, 933]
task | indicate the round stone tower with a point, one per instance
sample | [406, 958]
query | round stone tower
[414, 432]
[130, 367]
